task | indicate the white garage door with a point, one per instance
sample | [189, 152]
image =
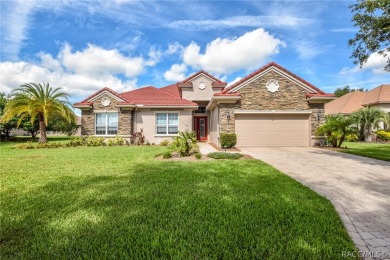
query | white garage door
[272, 130]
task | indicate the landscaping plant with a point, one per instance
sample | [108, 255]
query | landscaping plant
[366, 119]
[336, 128]
[219, 155]
[38, 101]
[228, 140]
[183, 143]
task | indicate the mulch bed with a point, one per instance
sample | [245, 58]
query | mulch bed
[220, 149]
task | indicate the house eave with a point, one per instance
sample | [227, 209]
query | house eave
[163, 106]
[316, 100]
[216, 100]
[275, 112]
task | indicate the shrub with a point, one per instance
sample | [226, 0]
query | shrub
[117, 140]
[198, 155]
[147, 143]
[351, 138]
[77, 141]
[164, 142]
[167, 155]
[26, 145]
[95, 141]
[30, 145]
[383, 135]
[230, 156]
[228, 140]
[138, 138]
[183, 143]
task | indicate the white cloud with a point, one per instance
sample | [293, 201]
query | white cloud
[174, 48]
[223, 56]
[154, 57]
[78, 72]
[15, 22]
[95, 60]
[234, 81]
[241, 21]
[376, 63]
[343, 30]
[19, 73]
[176, 73]
[308, 49]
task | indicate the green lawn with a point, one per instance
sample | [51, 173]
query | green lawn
[371, 150]
[119, 202]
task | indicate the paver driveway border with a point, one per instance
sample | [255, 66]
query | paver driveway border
[358, 187]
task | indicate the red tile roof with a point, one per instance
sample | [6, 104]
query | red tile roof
[187, 80]
[173, 90]
[272, 64]
[151, 96]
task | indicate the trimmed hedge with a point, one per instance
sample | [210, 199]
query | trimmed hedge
[228, 140]
[230, 156]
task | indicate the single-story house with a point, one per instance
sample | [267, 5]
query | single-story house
[270, 107]
[351, 102]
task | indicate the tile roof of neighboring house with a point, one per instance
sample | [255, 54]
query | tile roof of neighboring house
[187, 80]
[152, 96]
[346, 104]
[378, 95]
[353, 101]
[319, 92]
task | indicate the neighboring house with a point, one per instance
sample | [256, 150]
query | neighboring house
[378, 97]
[270, 107]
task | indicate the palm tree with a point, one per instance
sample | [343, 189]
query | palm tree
[366, 120]
[39, 101]
[336, 128]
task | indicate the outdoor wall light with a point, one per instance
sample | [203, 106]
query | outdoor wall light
[318, 116]
[228, 116]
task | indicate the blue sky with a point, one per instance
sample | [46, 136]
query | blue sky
[83, 46]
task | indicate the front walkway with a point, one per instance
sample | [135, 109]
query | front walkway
[206, 148]
[358, 187]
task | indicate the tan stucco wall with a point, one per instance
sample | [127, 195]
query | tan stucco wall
[145, 119]
[214, 126]
[195, 93]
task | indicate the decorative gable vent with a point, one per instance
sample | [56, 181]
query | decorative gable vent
[272, 85]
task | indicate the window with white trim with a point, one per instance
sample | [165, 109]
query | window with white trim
[167, 123]
[106, 123]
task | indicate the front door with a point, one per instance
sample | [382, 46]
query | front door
[201, 128]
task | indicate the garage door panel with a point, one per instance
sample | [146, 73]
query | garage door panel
[272, 130]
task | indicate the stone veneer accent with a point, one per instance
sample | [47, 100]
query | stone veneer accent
[255, 96]
[88, 118]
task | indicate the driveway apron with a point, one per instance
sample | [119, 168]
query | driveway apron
[358, 187]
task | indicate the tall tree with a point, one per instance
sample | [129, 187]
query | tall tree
[6, 126]
[39, 101]
[345, 90]
[373, 19]
[58, 124]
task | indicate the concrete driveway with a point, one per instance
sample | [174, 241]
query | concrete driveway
[358, 187]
